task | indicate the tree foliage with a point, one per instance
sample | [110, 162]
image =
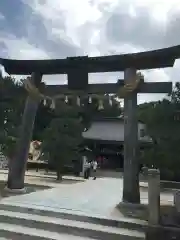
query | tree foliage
[44, 116]
[12, 97]
[63, 136]
[12, 102]
[162, 119]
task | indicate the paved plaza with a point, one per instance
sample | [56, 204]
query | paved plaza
[95, 198]
[72, 210]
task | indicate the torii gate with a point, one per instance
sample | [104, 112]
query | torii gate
[77, 69]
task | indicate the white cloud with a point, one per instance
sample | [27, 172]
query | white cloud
[100, 27]
[19, 48]
[1, 16]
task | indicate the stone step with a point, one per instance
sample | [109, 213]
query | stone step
[16, 232]
[129, 223]
[29, 224]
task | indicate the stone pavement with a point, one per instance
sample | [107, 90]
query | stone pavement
[91, 198]
[39, 178]
[42, 174]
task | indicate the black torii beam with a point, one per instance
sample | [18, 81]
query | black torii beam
[77, 69]
[160, 58]
[110, 88]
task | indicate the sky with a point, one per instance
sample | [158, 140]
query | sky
[43, 29]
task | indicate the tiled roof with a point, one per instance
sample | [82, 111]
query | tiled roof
[110, 131]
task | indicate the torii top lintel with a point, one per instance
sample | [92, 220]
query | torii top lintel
[160, 58]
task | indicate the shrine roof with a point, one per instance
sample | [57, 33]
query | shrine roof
[111, 130]
[117, 119]
[160, 58]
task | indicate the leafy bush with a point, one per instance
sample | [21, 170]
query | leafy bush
[62, 137]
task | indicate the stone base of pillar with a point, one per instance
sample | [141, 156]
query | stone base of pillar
[133, 209]
[139, 206]
[15, 191]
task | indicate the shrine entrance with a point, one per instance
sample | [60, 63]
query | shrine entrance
[77, 69]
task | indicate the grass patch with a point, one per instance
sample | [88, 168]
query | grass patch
[168, 215]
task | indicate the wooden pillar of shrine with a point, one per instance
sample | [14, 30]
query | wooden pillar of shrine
[131, 193]
[17, 165]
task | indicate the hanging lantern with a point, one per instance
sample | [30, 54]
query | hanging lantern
[78, 101]
[66, 99]
[100, 104]
[53, 104]
[90, 100]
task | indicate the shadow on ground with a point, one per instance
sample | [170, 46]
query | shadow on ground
[34, 187]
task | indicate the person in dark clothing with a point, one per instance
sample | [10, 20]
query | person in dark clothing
[77, 168]
[87, 170]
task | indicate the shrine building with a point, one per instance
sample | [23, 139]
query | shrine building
[105, 138]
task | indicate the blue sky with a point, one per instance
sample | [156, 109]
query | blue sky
[10, 10]
[38, 29]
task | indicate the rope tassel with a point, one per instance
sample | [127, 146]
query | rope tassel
[100, 104]
[66, 99]
[110, 101]
[90, 100]
[44, 102]
[78, 101]
[53, 105]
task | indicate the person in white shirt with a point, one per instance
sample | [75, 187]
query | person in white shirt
[94, 168]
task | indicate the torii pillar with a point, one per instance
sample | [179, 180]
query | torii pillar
[131, 192]
[17, 165]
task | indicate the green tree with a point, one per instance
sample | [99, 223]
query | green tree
[175, 96]
[44, 116]
[12, 97]
[62, 137]
[12, 102]
[163, 125]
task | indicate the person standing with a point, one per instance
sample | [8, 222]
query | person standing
[94, 168]
[87, 167]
